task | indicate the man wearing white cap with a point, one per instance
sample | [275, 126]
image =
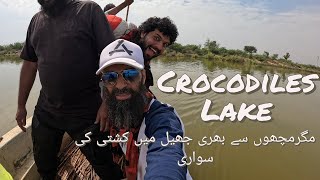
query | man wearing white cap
[136, 115]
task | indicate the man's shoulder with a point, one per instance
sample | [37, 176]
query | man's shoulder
[88, 5]
[38, 14]
[86, 8]
[86, 2]
[36, 18]
[160, 107]
[161, 115]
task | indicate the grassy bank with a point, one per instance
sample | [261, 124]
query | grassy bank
[11, 56]
[211, 51]
[11, 52]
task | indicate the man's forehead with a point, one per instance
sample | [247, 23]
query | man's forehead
[117, 67]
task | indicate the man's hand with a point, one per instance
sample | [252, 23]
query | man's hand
[21, 118]
[102, 117]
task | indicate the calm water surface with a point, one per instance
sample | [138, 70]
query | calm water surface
[9, 83]
[291, 115]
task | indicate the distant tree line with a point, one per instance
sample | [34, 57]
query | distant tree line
[211, 48]
[11, 47]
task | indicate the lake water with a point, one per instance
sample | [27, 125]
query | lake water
[9, 83]
[292, 115]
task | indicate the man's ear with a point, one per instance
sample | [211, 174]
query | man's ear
[143, 74]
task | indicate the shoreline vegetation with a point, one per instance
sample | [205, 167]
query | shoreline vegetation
[11, 52]
[210, 51]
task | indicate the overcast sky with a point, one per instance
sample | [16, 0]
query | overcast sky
[276, 26]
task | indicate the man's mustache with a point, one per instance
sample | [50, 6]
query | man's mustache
[157, 50]
[117, 91]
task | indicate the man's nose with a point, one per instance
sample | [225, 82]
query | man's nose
[121, 82]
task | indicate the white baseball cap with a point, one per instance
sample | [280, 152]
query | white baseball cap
[121, 51]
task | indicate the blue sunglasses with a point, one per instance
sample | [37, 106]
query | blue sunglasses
[111, 77]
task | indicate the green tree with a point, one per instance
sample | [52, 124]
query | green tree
[211, 46]
[274, 56]
[176, 47]
[236, 52]
[286, 56]
[266, 53]
[250, 49]
[260, 57]
[223, 51]
[200, 51]
[190, 48]
[15, 46]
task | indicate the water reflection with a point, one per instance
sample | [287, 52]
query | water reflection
[10, 59]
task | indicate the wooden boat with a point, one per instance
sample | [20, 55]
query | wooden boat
[16, 155]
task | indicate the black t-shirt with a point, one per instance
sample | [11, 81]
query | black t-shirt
[66, 48]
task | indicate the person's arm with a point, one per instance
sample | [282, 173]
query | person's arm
[103, 36]
[162, 161]
[118, 8]
[27, 77]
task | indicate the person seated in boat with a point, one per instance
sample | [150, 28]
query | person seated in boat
[136, 115]
[118, 25]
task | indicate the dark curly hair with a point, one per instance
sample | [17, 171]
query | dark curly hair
[108, 7]
[164, 25]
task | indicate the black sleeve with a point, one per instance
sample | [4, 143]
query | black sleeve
[102, 31]
[28, 52]
[149, 78]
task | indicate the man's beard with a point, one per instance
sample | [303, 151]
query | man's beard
[52, 7]
[144, 47]
[127, 113]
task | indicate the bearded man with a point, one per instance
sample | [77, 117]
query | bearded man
[134, 113]
[63, 43]
[153, 36]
